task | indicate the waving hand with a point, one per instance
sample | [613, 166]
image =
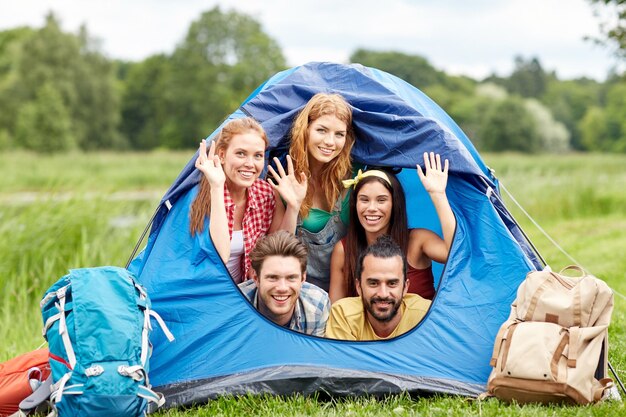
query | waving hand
[436, 177]
[291, 189]
[210, 165]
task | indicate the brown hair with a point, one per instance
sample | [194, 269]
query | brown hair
[201, 206]
[333, 172]
[280, 243]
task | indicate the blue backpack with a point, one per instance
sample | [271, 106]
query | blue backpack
[97, 323]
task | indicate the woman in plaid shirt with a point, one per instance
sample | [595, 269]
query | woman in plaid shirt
[241, 207]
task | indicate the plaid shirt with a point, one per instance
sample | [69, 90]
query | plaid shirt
[257, 218]
[311, 312]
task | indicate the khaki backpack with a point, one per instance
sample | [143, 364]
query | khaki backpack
[554, 346]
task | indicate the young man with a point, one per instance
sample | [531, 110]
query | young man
[383, 309]
[278, 288]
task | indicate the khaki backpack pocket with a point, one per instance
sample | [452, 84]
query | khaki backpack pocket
[534, 350]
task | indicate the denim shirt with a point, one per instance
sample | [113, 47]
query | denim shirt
[320, 246]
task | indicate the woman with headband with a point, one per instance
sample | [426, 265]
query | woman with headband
[378, 203]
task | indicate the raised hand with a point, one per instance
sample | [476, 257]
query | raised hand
[210, 165]
[436, 177]
[291, 189]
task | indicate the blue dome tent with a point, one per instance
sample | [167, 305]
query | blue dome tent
[224, 346]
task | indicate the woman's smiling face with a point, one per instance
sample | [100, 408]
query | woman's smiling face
[327, 137]
[374, 207]
[243, 160]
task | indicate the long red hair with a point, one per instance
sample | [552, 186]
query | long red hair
[333, 172]
[201, 206]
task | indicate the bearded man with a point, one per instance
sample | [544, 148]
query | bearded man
[383, 309]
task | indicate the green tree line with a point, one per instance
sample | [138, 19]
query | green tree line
[59, 92]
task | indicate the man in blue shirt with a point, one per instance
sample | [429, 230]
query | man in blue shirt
[278, 288]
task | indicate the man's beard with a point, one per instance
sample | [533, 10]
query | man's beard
[384, 317]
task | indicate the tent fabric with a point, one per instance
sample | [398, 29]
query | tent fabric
[224, 346]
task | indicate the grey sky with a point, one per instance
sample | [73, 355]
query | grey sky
[472, 37]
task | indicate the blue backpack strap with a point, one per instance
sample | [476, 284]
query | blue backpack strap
[60, 388]
[151, 396]
[62, 308]
[144, 305]
[60, 297]
[139, 374]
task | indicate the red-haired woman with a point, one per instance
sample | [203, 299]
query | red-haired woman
[242, 208]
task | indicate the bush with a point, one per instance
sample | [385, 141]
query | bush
[508, 126]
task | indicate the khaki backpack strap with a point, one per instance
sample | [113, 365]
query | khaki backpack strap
[578, 308]
[598, 392]
[574, 268]
[485, 396]
[500, 337]
[562, 281]
[568, 285]
[533, 302]
[554, 364]
[507, 345]
[572, 356]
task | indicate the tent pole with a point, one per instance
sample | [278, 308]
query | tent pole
[532, 245]
[619, 381]
[142, 237]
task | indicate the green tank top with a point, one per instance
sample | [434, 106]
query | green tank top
[317, 218]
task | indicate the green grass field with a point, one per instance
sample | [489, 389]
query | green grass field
[67, 211]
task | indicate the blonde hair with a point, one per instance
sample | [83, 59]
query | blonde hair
[335, 171]
[201, 206]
